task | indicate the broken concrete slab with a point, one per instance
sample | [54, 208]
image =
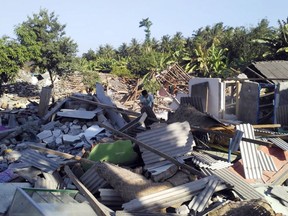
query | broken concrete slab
[70, 139]
[44, 134]
[81, 114]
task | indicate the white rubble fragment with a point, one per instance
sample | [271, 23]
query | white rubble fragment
[70, 139]
[182, 210]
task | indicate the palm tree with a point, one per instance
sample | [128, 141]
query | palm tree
[147, 24]
[134, 47]
[165, 45]
[123, 50]
[106, 51]
[277, 43]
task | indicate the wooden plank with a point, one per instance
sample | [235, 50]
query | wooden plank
[259, 126]
[95, 204]
[54, 110]
[280, 177]
[45, 96]
[149, 148]
[61, 154]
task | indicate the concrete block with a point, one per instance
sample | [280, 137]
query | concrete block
[70, 139]
[75, 130]
[44, 134]
[56, 133]
[49, 140]
[59, 141]
[49, 126]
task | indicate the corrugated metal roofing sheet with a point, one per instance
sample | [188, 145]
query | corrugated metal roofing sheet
[282, 115]
[173, 139]
[110, 197]
[169, 197]
[266, 161]
[205, 161]
[251, 165]
[244, 190]
[280, 143]
[272, 69]
[200, 202]
[39, 161]
[92, 180]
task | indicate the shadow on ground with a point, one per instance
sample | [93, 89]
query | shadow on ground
[21, 89]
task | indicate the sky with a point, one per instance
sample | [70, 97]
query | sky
[91, 23]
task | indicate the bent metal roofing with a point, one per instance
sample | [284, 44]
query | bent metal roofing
[271, 69]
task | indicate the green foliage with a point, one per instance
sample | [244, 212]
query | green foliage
[150, 83]
[120, 69]
[45, 40]
[90, 55]
[90, 78]
[104, 65]
[276, 43]
[211, 62]
[12, 58]
[210, 52]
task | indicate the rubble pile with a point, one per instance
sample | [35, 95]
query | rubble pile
[90, 155]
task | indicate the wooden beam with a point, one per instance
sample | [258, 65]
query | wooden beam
[45, 96]
[61, 154]
[95, 204]
[54, 110]
[280, 176]
[259, 126]
[149, 148]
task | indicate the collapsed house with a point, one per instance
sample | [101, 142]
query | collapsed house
[85, 155]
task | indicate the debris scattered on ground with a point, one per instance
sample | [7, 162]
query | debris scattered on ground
[95, 151]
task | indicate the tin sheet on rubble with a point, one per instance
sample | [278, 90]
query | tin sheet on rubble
[173, 139]
[39, 161]
[266, 162]
[205, 161]
[245, 190]
[92, 180]
[168, 197]
[200, 202]
[251, 165]
[280, 143]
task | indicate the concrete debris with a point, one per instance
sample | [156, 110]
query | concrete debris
[100, 145]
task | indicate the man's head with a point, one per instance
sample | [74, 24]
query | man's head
[144, 93]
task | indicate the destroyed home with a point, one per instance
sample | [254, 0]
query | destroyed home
[86, 155]
[78, 137]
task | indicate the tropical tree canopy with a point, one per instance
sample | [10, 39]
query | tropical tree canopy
[44, 37]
